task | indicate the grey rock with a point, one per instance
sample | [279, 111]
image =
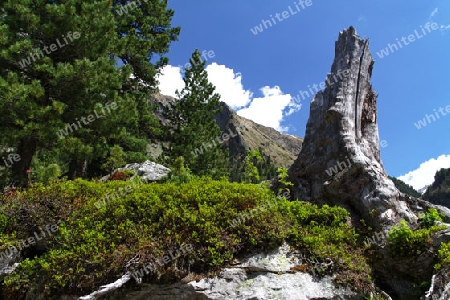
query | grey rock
[269, 276]
[148, 170]
[259, 277]
[237, 284]
[441, 237]
[440, 286]
[340, 164]
[8, 263]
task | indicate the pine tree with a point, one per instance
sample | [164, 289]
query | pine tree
[59, 65]
[194, 133]
[251, 173]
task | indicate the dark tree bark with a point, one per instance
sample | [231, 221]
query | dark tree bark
[26, 150]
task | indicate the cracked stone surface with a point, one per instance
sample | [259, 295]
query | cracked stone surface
[342, 136]
[265, 276]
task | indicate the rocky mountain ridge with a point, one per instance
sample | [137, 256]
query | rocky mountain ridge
[439, 191]
[244, 134]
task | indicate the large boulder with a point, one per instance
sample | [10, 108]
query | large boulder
[148, 171]
[262, 276]
[271, 276]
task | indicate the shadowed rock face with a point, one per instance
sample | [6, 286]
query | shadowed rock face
[342, 137]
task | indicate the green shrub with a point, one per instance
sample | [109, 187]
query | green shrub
[94, 244]
[179, 172]
[427, 220]
[46, 174]
[403, 241]
[115, 159]
[3, 222]
[443, 255]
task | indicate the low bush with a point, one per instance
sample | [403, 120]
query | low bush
[403, 241]
[430, 217]
[94, 246]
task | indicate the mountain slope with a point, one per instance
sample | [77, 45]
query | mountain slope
[439, 191]
[244, 135]
[405, 188]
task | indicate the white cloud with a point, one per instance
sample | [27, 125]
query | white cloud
[170, 80]
[229, 85]
[268, 110]
[424, 175]
[361, 18]
[434, 12]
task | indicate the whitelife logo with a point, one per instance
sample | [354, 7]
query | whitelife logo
[411, 38]
[11, 157]
[331, 80]
[90, 118]
[342, 165]
[429, 118]
[49, 229]
[53, 48]
[285, 14]
[124, 8]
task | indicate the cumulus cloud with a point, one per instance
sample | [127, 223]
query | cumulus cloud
[229, 85]
[170, 80]
[268, 110]
[424, 175]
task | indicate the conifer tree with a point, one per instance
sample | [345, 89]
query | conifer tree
[59, 65]
[194, 133]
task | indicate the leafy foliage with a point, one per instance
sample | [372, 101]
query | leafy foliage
[180, 173]
[403, 241]
[93, 245]
[115, 159]
[444, 254]
[42, 92]
[428, 219]
[265, 168]
[251, 174]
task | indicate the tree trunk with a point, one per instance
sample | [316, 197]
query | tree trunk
[26, 151]
[77, 169]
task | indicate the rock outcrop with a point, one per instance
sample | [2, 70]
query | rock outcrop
[244, 135]
[340, 158]
[262, 276]
[282, 148]
[148, 171]
[271, 276]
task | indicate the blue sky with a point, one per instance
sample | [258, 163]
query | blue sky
[260, 75]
